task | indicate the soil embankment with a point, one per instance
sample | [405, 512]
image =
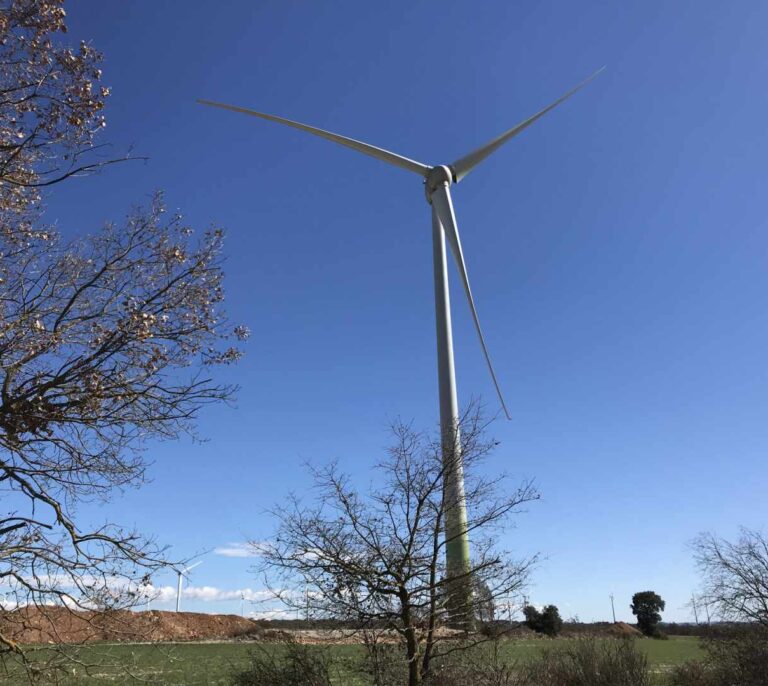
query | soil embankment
[59, 625]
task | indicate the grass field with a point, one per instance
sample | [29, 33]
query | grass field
[210, 664]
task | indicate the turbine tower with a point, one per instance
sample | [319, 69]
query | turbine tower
[437, 182]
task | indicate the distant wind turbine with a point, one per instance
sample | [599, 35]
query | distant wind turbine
[437, 182]
[181, 573]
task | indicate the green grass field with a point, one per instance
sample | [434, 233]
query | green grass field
[210, 664]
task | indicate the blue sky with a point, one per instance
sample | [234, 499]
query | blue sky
[617, 251]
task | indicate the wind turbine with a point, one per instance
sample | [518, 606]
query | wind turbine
[437, 182]
[181, 573]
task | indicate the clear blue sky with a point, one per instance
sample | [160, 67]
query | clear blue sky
[617, 251]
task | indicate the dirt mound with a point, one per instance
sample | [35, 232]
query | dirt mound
[624, 630]
[59, 625]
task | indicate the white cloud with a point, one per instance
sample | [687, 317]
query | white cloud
[239, 550]
[161, 594]
[205, 594]
[211, 593]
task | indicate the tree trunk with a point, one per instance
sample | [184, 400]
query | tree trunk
[429, 644]
[412, 647]
[411, 641]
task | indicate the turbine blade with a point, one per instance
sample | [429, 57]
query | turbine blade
[441, 201]
[372, 150]
[466, 164]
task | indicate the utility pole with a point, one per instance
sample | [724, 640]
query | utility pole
[613, 609]
[695, 612]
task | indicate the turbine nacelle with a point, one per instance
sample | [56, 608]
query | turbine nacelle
[437, 177]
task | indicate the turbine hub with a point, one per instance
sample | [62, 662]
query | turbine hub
[437, 176]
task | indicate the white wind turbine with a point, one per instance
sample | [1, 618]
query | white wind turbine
[181, 573]
[437, 181]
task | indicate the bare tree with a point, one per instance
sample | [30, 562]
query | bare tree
[735, 575]
[105, 343]
[374, 560]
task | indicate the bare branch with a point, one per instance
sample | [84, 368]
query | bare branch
[735, 575]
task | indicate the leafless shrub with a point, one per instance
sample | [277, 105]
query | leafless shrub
[588, 662]
[383, 661]
[481, 665]
[297, 665]
[741, 659]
